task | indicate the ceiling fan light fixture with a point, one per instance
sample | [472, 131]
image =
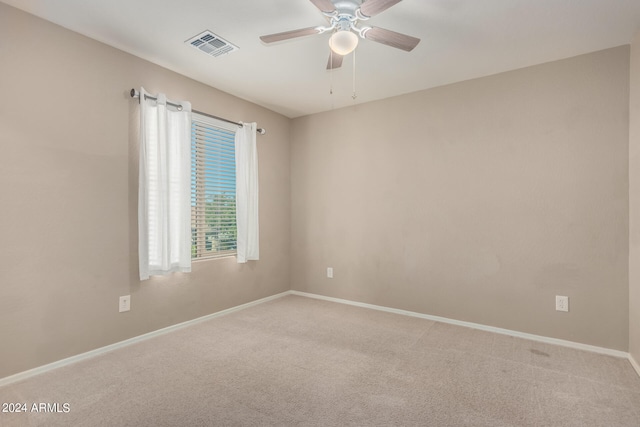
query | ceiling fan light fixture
[343, 42]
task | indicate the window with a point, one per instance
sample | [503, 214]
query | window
[213, 188]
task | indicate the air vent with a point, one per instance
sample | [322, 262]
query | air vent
[211, 44]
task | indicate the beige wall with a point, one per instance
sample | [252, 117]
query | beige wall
[634, 202]
[478, 201]
[68, 194]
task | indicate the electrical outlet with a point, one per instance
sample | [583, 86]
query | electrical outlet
[330, 272]
[562, 303]
[125, 303]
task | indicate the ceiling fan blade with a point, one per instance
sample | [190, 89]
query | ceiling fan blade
[324, 5]
[272, 38]
[373, 7]
[335, 60]
[391, 38]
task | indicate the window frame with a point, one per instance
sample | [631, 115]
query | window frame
[199, 192]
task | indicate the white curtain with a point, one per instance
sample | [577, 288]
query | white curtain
[247, 193]
[164, 191]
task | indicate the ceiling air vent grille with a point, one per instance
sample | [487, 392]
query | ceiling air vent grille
[211, 44]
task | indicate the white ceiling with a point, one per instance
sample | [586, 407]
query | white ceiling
[461, 40]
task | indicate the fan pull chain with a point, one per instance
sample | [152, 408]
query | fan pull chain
[354, 96]
[331, 74]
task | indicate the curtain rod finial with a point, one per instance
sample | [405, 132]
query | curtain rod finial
[261, 131]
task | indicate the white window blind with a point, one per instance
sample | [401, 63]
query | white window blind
[213, 188]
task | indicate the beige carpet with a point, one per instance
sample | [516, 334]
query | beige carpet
[300, 361]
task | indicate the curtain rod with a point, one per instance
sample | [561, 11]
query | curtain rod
[135, 94]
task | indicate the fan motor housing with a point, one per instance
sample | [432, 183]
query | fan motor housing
[347, 7]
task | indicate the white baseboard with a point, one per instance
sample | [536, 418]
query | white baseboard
[635, 364]
[93, 353]
[539, 338]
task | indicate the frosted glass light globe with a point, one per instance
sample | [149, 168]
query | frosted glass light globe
[343, 42]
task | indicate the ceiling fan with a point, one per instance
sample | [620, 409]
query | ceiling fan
[344, 17]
